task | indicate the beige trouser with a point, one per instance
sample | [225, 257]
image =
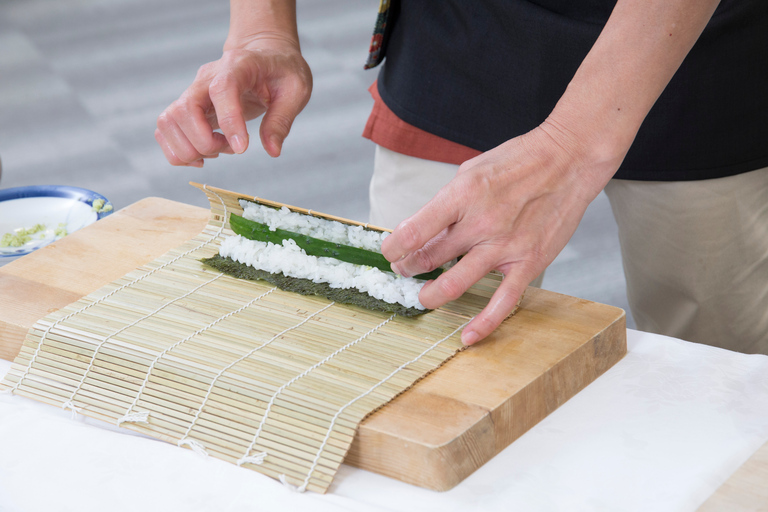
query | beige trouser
[696, 257]
[695, 253]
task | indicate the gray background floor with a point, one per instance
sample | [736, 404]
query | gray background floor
[82, 83]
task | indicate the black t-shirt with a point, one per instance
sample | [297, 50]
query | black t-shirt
[481, 72]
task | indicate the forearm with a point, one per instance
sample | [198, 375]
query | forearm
[257, 19]
[630, 64]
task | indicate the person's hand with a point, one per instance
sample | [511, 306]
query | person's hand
[266, 75]
[511, 209]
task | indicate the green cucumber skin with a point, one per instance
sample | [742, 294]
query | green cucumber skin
[315, 246]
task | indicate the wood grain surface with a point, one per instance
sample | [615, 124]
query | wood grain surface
[433, 435]
[746, 490]
[63, 272]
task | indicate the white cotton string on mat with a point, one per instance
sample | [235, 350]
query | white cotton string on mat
[116, 290]
[259, 458]
[195, 446]
[142, 417]
[303, 486]
[70, 403]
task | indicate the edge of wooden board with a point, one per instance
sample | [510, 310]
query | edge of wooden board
[55, 276]
[746, 490]
[482, 417]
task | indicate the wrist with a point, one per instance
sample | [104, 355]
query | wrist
[263, 22]
[266, 40]
[595, 130]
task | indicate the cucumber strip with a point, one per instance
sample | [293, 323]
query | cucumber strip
[316, 246]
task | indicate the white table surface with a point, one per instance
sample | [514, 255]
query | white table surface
[660, 431]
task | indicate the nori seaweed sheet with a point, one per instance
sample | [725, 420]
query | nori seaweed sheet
[307, 287]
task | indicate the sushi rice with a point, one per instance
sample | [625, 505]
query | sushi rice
[290, 260]
[329, 230]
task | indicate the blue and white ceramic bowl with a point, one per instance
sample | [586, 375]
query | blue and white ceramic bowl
[33, 217]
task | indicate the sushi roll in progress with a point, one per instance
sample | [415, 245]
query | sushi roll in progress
[316, 256]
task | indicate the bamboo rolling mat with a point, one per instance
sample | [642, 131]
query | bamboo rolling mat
[239, 370]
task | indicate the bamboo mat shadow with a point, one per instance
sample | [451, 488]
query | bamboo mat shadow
[273, 381]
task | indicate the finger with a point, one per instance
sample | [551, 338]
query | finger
[502, 303]
[286, 103]
[193, 122]
[455, 282]
[450, 243]
[176, 146]
[225, 91]
[168, 152]
[414, 232]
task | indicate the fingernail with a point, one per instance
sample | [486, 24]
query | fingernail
[468, 338]
[237, 144]
[275, 141]
[396, 269]
[197, 163]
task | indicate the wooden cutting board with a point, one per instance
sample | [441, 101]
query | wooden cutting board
[435, 434]
[746, 490]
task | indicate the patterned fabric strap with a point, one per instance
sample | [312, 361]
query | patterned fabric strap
[376, 52]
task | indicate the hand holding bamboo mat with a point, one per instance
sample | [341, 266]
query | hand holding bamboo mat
[238, 370]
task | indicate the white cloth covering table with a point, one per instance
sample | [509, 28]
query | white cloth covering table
[661, 431]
